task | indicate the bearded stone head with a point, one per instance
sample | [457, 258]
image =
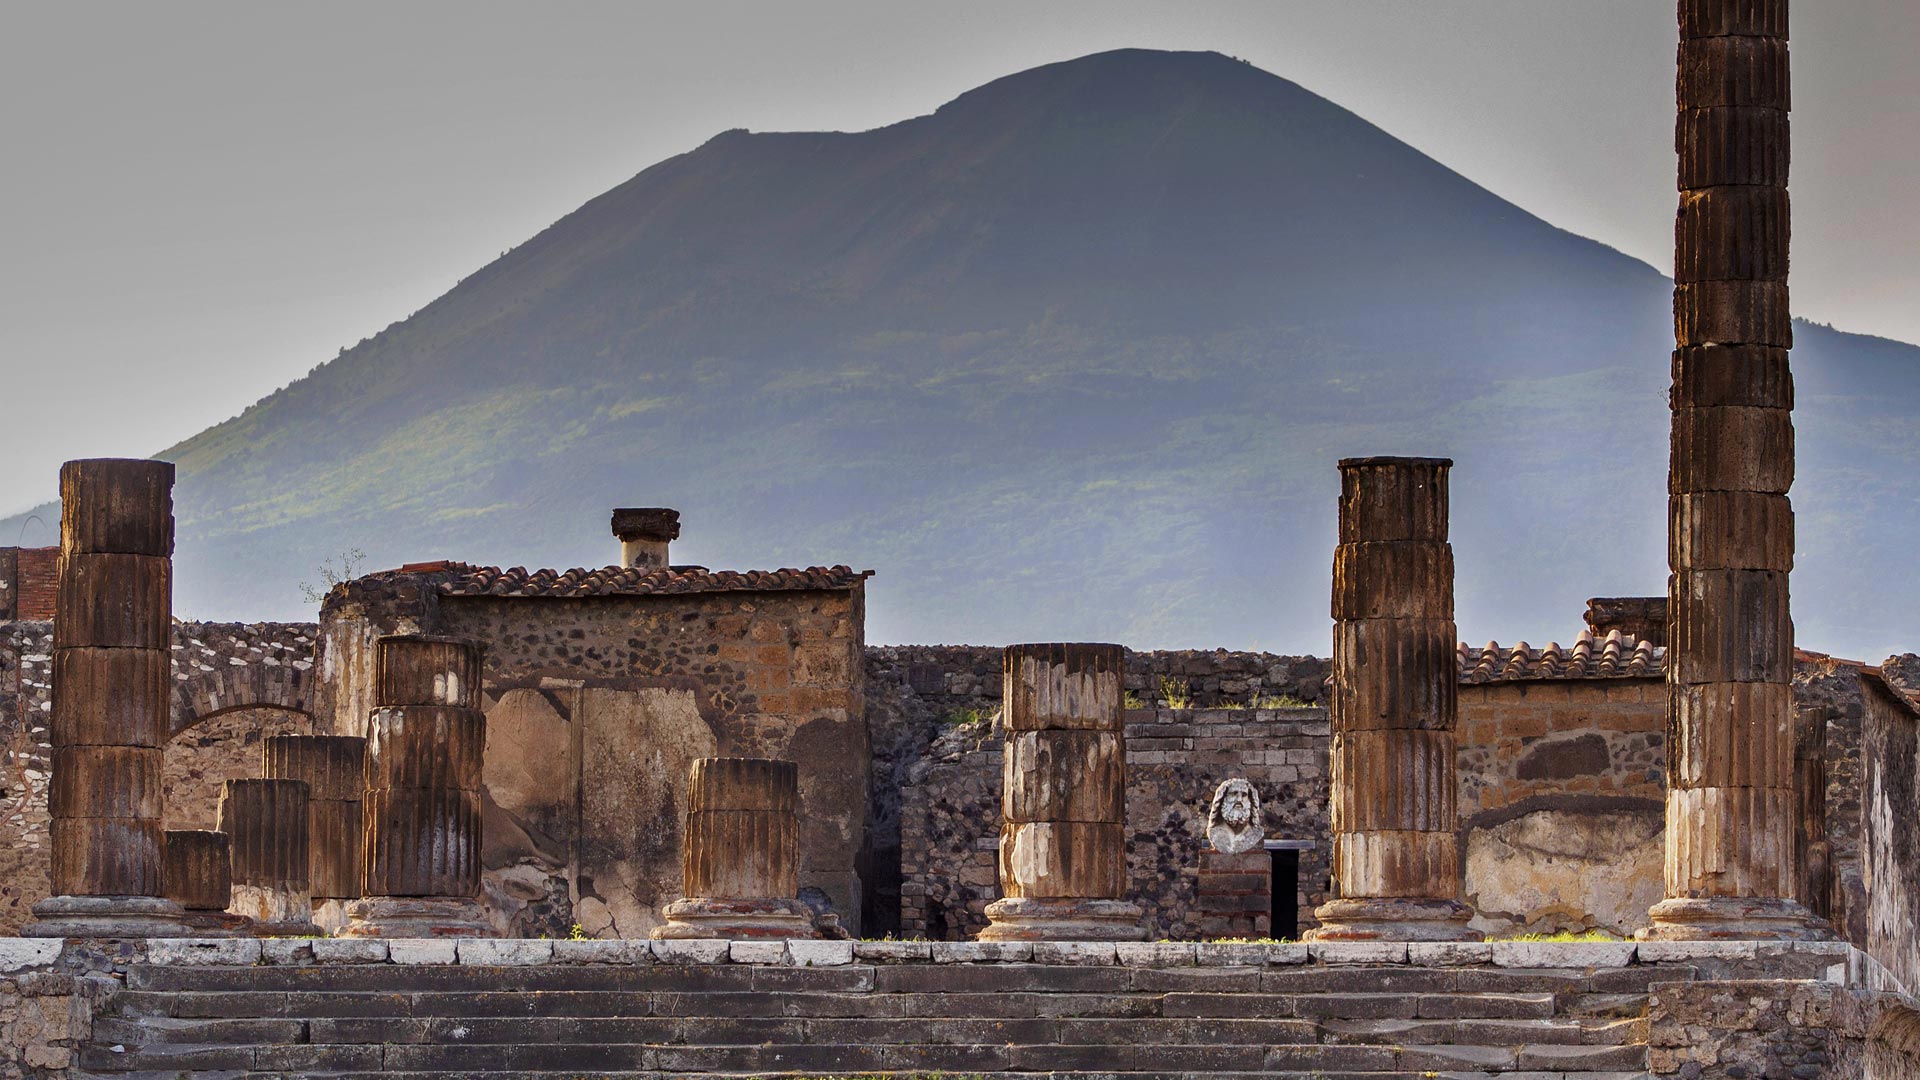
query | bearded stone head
[1233, 820]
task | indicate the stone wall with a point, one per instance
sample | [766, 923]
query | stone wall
[1562, 803]
[222, 672]
[916, 693]
[1891, 796]
[1175, 759]
[596, 707]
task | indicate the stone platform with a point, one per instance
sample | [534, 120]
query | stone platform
[498, 1008]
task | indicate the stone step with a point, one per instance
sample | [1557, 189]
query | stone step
[845, 1058]
[1317, 1074]
[903, 979]
[689, 1030]
[310, 1004]
[1053, 1075]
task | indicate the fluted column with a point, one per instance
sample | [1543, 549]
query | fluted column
[1063, 838]
[112, 658]
[1396, 859]
[421, 831]
[266, 823]
[198, 876]
[740, 856]
[1730, 859]
[334, 769]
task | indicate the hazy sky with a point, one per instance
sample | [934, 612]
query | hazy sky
[200, 202]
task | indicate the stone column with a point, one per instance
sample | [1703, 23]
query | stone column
[1730, 799]
[1063, 835]
[199, 877]
[421, 811]
[740, 857]
[1396, 860]
[266, 824]
[334, 769]
[112, 683]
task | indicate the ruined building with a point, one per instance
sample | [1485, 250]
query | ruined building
[619, 820]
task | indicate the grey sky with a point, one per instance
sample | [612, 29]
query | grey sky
[202, 201]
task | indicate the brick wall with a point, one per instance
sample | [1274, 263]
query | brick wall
[29, 578]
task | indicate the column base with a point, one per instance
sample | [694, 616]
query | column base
[1393, 919]
[107, 917]
[717, 917]
[416, 917]
[330, 915]
[218, 924]
[1029, 918]
[1732, 918]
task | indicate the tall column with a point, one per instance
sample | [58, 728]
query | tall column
[1396, 858]
[740, 857]
[1730, 798]
[199, 877]
[112, 683]
[1063, 835]
[266, 825]
[334, 769]
[420, 858]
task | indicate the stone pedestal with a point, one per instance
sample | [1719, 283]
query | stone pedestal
[199, 877]
[111, 695]
[1235, 896]
[740, 863]
[1731, 808]
[421, 812]
[334, 770]
[1396, 861]
[266, 823]
[416, 917]
[1063, 846]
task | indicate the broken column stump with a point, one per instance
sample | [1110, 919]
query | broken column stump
[1396, 859]
[112, 688]
[334, 768]
[266, 823]
[1730, 826]
[741, 860]
[420, 810]
[198, 876]
[1063, 842]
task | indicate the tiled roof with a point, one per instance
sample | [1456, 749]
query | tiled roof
[1615, 656]
[466, 580]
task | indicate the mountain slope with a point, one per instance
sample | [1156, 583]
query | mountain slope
[1072, 357]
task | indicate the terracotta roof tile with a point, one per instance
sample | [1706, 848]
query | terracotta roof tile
[518, 581]
[1615, 656]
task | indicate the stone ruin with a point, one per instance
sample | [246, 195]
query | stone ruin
[192, 951]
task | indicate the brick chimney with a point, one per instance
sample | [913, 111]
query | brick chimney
[1643, 617]
[645, 532]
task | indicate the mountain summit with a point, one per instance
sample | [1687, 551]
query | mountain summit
[1071, 357]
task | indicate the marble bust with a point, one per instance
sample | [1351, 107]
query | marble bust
[1233, 819]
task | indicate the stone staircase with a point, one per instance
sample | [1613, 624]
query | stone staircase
[598, 1009]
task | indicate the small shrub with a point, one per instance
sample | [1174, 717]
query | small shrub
[1176, 693]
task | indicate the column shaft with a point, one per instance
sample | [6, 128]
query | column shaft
[420, 811]
[1395, 695]
[334, 768]
[1063, 847]
[113, 617]
[1731, 859]
[740, 855]
[266, 822]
